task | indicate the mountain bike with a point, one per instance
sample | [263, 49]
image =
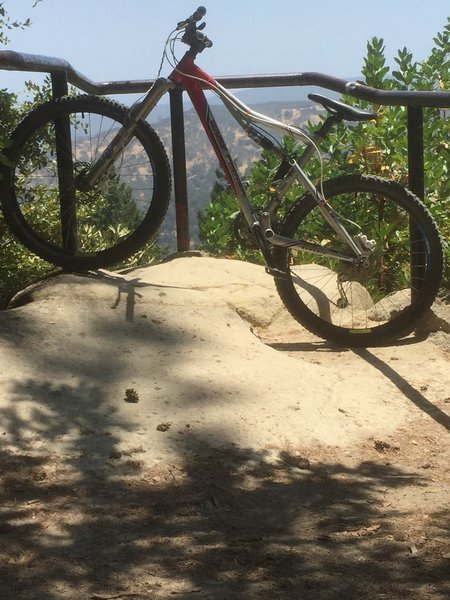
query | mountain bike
[356, 259]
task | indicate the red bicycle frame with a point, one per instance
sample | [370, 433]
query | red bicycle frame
[192, 78]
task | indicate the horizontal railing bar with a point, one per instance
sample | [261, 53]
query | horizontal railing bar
[17, 61]
[344, 86]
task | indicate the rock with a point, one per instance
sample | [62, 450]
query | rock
[163, 426]
[391, 304]
[437, 318]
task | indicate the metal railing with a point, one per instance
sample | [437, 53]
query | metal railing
[63, 74]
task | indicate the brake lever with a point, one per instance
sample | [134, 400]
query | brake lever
[193, 35]
[202, 38]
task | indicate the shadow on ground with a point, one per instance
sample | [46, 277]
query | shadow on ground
[222, 524]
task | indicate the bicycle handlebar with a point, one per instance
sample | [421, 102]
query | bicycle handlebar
[193, 37]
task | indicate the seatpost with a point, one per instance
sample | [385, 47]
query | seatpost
[329, 122]
[318, 137]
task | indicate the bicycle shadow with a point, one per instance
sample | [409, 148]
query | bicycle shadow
[325, 346]
[408, 390]
[403, 385]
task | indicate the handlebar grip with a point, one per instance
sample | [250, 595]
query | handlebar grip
[199, 13]
[196, 16]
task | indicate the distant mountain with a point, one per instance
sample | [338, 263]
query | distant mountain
[254, 96]
[281, 94]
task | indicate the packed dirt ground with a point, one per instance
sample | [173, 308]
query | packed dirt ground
[172, 433]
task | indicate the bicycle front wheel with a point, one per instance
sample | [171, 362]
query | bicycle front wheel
[46, 206]
[383, 297]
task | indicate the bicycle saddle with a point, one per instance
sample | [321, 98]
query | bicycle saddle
[344, 111]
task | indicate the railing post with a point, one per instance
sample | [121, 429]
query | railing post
[179, 169]
[416, 182]
[415, 151]
[59, 84]
[63, 145]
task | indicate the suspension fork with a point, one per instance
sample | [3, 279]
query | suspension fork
[125, 134]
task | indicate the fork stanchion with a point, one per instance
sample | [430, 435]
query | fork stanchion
[179, 169]
[63, 145]
[416, 183]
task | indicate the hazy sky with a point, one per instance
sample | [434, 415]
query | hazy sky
[123, 39]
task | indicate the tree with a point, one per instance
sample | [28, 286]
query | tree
[10, 113]
[7, 23]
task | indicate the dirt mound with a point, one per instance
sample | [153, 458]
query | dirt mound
[174, 430]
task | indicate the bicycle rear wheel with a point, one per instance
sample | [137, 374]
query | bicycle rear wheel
[367, 304]
[47, 208]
